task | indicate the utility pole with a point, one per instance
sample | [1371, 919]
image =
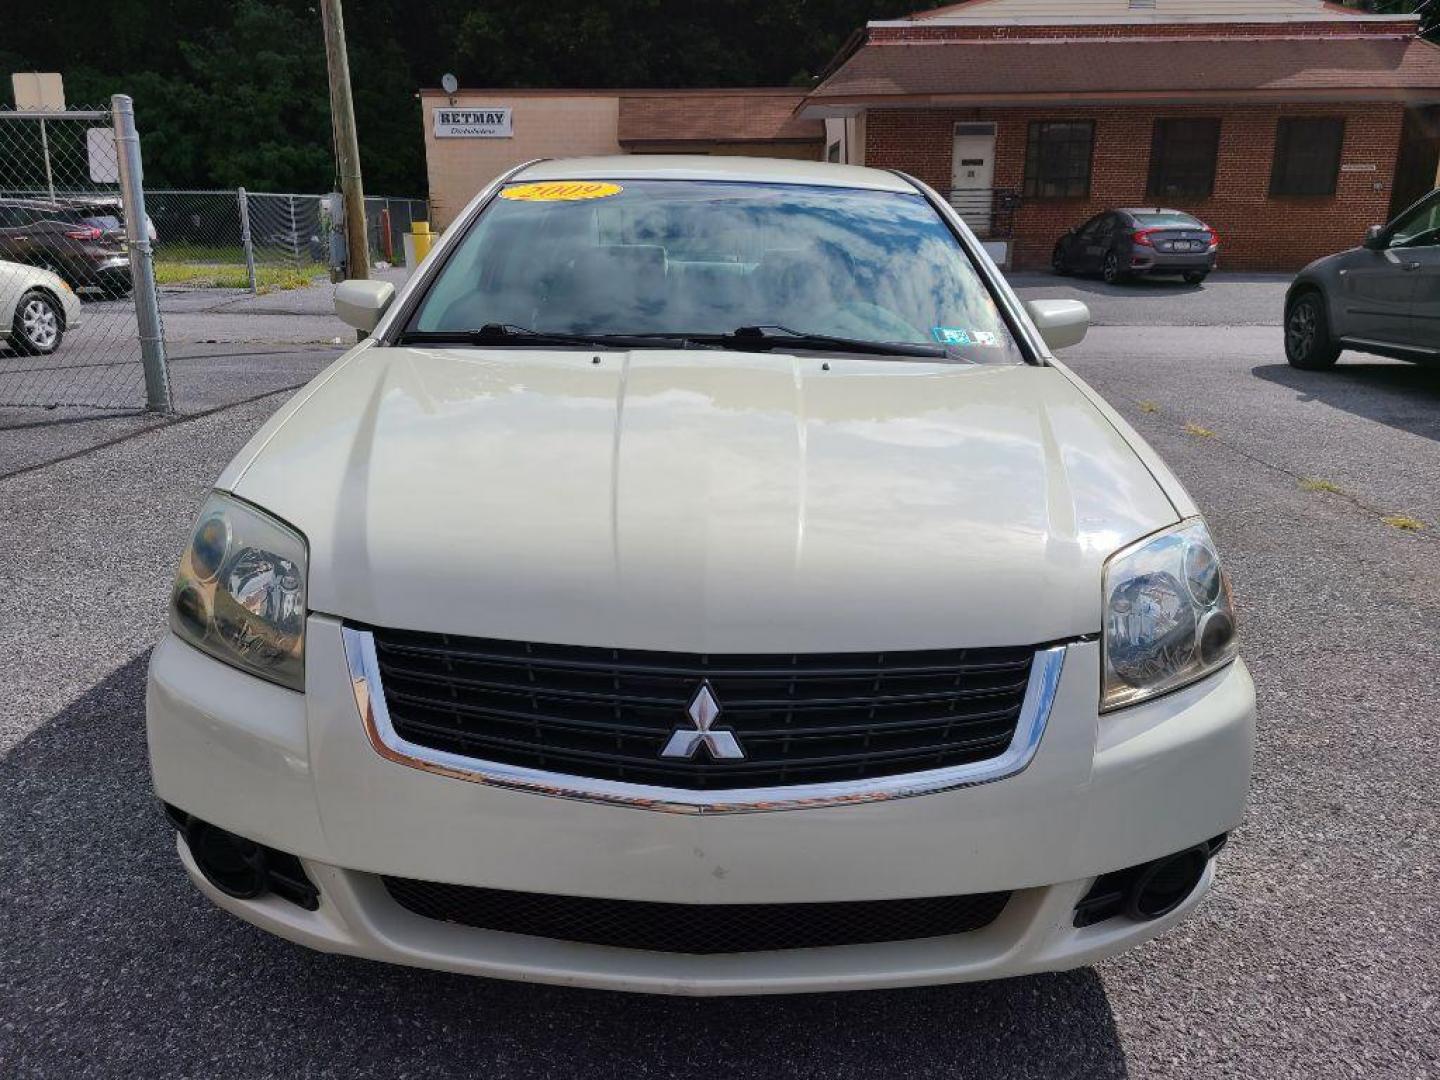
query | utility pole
[347, 148]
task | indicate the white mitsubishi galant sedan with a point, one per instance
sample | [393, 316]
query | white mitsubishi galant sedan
[703, 580]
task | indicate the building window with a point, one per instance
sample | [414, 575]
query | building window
[833, 154]
[1057, 159]
[1307, 155]
[1182, 158]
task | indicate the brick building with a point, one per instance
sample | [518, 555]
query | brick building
[1288, 125]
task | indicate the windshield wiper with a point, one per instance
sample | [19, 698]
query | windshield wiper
[765, 338]
[506, 334]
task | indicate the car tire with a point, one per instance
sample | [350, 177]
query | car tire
[1308, 345]
[1110, 270]
[1058, 265]
[1195, 277]
[39, 324]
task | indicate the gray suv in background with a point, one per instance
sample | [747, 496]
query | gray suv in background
[1382, 297]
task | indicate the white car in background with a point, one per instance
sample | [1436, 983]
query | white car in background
[36, 308]
[703, 580]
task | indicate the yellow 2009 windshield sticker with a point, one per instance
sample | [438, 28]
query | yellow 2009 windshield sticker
[561, 191]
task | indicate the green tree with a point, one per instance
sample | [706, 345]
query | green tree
[231, 93]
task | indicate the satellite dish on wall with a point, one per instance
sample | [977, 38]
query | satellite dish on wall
[449, 83]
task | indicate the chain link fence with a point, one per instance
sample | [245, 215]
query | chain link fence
[87, 254]
[263, 240]
[74, 330]
[238, 239]
[387, 220]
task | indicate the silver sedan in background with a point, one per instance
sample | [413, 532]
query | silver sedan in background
[36, 308]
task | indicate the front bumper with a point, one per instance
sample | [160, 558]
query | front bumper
[71, 303]
[297, 773]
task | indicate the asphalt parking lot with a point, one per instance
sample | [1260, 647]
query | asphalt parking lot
[1318, 953]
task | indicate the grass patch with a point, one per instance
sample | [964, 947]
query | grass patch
[1403, 521]
[1314, 483]
[1199, 432]
[208, 275]
[1149, 406]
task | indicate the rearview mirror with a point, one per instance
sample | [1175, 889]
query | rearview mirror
[1375, 238]
[1061, 323]
[361, 303]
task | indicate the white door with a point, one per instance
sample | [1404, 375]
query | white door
[972, 174]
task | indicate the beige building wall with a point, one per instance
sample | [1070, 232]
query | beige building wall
[544, 125]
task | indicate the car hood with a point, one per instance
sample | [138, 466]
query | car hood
[1326, 262]
[703, 501]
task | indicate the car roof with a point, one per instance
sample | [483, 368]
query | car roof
[1133, 210]
[708, 167]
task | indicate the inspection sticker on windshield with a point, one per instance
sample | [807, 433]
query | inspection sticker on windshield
[959, 335]
[561, 191]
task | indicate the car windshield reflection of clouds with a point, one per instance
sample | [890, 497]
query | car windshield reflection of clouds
[696, 257]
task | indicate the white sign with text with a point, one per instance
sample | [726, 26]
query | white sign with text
[483, 122]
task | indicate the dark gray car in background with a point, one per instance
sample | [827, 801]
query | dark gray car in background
[1382, 297]
[83, 241]
[1125, 243]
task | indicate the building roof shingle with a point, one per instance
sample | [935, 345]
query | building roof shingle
[716, 116]
[1003, 10]
[1136, 66]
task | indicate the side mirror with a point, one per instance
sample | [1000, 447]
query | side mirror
[1375, 238]
[361, 303]
[1061, 323]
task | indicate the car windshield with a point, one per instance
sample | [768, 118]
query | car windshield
[694, 258]
[1420, 227]
[1168, 221]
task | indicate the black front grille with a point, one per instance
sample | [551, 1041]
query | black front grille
[608, 713]
[697, 928]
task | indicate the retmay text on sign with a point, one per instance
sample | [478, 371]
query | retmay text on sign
[473, 123]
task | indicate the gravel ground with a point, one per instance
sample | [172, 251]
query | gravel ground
[98, 364]
[202, 378]
[1318, 953]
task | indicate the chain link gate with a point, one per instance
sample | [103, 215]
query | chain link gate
[263, 240]
[79, 313]
[238, 239]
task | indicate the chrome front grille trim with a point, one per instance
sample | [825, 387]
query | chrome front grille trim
[364, 669]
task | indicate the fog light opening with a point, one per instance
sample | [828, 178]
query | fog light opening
[231, 863]
[1165, 884]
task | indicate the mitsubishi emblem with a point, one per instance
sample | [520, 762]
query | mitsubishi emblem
[704, 710]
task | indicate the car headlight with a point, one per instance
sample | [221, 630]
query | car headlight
[1168, 619]
[240, 592]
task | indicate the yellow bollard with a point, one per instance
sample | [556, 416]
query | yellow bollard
[417, 244]
[423, 238]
